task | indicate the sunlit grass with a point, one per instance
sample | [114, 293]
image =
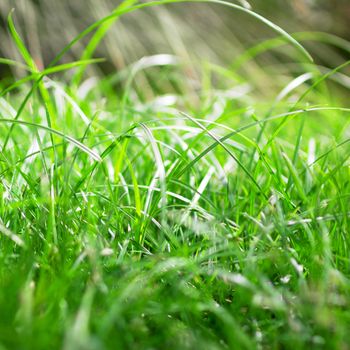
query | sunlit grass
[175, 204]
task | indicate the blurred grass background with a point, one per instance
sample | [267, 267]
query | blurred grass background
[190, 31]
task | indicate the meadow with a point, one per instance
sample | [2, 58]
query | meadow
[176, 203]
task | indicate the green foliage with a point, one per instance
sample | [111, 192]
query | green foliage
[175, 205]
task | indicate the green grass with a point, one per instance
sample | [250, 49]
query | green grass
[175, 204]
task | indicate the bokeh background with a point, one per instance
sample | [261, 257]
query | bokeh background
[209, 32]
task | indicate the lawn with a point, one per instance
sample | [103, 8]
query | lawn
[176, 204]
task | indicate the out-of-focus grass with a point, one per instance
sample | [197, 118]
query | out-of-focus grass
[210, 31]
[176, 203]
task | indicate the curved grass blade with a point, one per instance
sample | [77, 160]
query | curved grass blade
[70, 139]
[120, 11]
[96, 39]
[248, 126]
[219, 142]
[273, 43]
[48, 71]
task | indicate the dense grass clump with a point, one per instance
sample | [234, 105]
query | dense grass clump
[176, 204]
